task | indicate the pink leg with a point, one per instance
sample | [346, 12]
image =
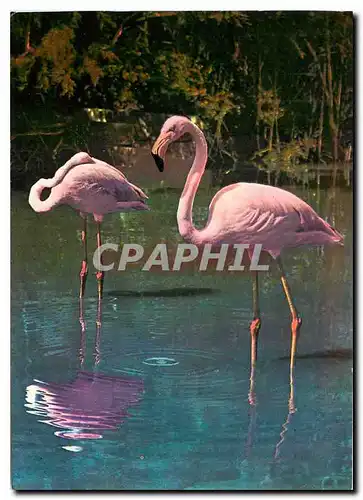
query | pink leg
[254, 330]
[100, 278]
[84, 268]
[295, 329]
[83, 277]
[100, 274]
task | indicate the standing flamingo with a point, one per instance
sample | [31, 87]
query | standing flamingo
[246, 213]
[92, 187]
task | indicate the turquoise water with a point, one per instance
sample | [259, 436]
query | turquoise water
[166, 407]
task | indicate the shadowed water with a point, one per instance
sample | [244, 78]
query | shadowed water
[167, 406]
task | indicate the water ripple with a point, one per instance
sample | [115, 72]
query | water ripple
[160, 361]
[193, 368]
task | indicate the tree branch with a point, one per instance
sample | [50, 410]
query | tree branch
[36, 132]
[316, 59]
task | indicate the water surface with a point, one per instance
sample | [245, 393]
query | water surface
[166, 407]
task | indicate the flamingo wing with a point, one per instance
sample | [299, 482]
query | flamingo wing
[253, 213]
[108, 180]
[138, 191]
[119, 186]
[121, 190]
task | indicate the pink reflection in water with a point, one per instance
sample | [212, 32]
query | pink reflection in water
[92, 402]
[78, 435]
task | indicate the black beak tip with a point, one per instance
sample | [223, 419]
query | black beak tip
[159, 162]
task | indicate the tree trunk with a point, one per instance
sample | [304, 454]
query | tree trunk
[258, 103]
[270, 137]
[335, 143]
[327, 87]
[321, 119]
[277, 136]
[313, 104]
[334, 130]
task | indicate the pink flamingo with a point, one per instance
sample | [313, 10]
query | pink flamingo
[246, 213]
[92, 187]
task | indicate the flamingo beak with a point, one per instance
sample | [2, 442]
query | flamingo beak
[159, 162]
[159, 150]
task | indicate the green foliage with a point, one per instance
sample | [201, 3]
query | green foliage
[290, 158]
[57, 55]
[236, 71]
[268, 107]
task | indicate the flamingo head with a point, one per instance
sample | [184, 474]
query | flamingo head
[174, 128]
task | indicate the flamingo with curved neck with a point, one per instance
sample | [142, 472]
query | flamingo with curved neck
[90, 186]
[93, 187]
[246, 213]
[54, 199]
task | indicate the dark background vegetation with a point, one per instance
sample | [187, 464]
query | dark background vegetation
[270, 89]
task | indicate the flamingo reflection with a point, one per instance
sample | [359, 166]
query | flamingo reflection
[88, 405]
[282, 437]
[85, 407]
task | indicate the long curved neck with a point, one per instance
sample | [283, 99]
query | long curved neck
[34, 197]
[53, 199]
[185, 208]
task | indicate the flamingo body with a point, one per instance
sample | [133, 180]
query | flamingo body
[90, 186]
[257, 213]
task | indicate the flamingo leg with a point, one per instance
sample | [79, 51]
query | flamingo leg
[100, 274]
[295, 328]
[84, 268]
[100, 278]
[83, 277]
[254, 330]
